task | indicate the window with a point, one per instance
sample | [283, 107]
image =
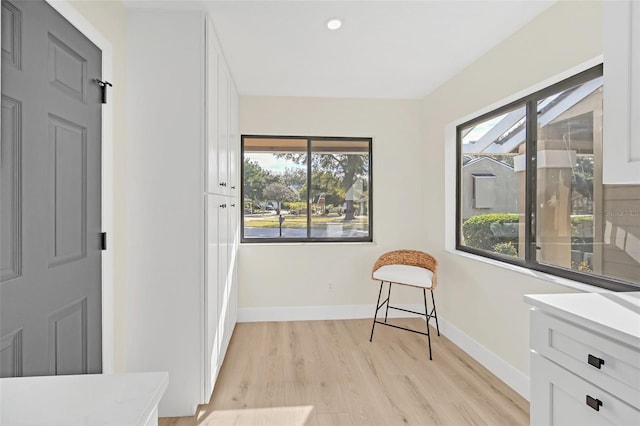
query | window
[306, 189]
[530, 191]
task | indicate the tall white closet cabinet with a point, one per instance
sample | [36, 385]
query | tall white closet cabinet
[182, 204]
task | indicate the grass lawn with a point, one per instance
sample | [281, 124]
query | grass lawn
[360, 222]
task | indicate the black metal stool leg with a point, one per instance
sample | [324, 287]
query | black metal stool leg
[375, 314]
[435, 313]
[426, 312]
[388, 300]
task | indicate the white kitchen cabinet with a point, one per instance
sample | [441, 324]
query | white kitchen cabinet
[234, 146]
[222, 119]
[566, 395]
[222, 147]
[621, 127]
[231, 288]
[222, 97]
[221, 284]
[180, 281]
[212, 58]
[585, 359]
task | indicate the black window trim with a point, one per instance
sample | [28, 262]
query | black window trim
[529, 262]
[308, 239]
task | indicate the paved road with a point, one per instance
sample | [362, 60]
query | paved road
[258, 232]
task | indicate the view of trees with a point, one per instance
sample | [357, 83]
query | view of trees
[256, 180]
[331, 169]
[333, 178]
[279, 192]
[582, 177]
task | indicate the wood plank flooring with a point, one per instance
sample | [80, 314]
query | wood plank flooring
[327, 373]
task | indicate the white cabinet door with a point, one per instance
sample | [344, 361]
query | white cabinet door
[234, 296]
[212, 64]
[223, 128]
[234, 235]
[212, 337]
[234, 144]
[621, 145]
[223, 269]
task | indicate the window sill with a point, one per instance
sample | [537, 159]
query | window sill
[574, 285]
[310, 243]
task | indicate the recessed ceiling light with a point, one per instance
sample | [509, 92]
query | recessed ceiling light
[334, 23]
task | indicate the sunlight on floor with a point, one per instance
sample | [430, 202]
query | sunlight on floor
[285, 416]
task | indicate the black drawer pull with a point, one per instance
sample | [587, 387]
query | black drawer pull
[595, 361]
[594, 403]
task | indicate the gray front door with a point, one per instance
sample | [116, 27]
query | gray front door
[50, 280]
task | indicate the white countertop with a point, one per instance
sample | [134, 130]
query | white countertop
[92, 399]
[616, 315]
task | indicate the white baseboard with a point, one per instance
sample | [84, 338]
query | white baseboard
[313, 313]
[513, 377]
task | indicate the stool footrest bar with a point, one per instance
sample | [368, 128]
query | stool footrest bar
[401, 328]
[406, 310]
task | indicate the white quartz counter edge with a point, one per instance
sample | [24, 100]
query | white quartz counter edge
[92, 399]
[616, 315]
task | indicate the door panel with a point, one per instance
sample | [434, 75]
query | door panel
[10, 180]
[11, 31]
[50, 289]
[68, 340]
[11, 354]
[67, 186]
[67, 69]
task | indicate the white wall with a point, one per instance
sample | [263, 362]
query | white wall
[299, 275]
[482, 300]
[164, 295]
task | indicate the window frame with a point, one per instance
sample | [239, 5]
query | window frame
[309, 238]
[529, 261]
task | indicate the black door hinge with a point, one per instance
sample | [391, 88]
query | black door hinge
[103, 241]
[103, 85]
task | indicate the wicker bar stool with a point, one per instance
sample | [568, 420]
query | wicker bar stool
[411, 268]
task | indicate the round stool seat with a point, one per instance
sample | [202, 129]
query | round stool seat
[405, 274]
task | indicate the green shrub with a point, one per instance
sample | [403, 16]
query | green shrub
[296, 207]
[582, 226]
[507, 249]
[498, 232]
[582, 233]
[486, 230]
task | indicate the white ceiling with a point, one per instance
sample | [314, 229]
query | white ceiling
[385, 49]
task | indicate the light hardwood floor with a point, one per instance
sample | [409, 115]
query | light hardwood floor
[327, 373]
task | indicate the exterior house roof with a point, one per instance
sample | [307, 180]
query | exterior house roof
[508, 133]
[472, 161]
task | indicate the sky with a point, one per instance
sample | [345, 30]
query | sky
[481, 129]
[270, 162]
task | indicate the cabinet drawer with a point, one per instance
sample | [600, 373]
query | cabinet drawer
[581, 351]
[559, 397]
